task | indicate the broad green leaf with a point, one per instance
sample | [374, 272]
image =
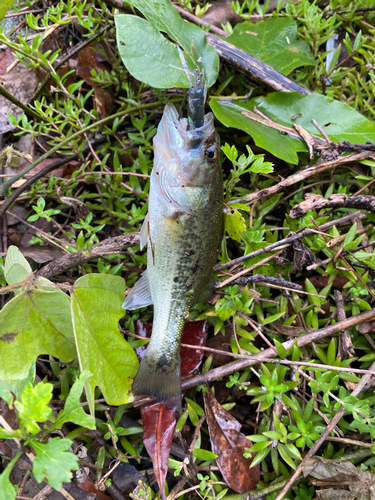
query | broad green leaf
[5, 5]
[34, 323]
[165, 18]
[73, 411]
[160, 65]
[340, 121]
[274, 42]
[204, 454]
[96, 311]
[7, 490]
[7, 387]
[16, 267]
[234, 223]
[52, 462]
[33, 406]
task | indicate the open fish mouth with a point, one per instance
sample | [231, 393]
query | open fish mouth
[176, 133]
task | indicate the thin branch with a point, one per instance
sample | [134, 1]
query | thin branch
[235, 366]
[342, 221]
[308, 172]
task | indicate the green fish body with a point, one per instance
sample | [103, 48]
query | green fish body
[183, 230]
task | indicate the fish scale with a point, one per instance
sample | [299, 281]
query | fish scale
[183, 230]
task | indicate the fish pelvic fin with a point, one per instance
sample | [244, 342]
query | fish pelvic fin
[139, 296]
[159, 380]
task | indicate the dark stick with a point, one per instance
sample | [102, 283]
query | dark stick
[308, 172]
[250, 66]
[258, 278]
[317, 202]
[105, 247]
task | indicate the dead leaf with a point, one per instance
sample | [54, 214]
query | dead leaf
[291, 331]
[41, 255]
[222, 13]
[303, 257]
[89, 59]
[21, 82]
[195, 333]
[81, 210]
[229, 444]
[89, 487]
[359, 485]
[159, 423]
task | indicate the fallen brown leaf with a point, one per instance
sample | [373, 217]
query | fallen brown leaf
[229, 444]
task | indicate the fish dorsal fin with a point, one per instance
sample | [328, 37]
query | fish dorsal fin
[139, 296]
[145, 231]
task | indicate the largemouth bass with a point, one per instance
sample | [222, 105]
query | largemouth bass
[182, 230]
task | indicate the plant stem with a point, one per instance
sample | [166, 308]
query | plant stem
[29, 112]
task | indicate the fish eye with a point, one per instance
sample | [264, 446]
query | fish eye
[211, 154]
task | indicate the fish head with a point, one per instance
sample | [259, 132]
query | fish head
[190, 158]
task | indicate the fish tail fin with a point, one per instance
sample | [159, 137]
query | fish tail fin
[160, 380]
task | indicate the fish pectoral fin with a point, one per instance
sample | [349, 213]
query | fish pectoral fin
[161, 382]
[139, 296]
[145, 231]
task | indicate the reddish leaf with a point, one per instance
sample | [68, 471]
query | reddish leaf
[90, 58]
[89, 487]
[229, 444]
[159, 423]
[195, 333]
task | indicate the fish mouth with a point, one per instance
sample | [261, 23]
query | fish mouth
[177, 129]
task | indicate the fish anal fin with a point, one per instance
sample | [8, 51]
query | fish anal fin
[145, 231]
[159, 382]
[139, 296]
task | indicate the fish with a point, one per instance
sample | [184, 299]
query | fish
[182, 230]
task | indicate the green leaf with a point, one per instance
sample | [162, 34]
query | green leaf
[350, 236]
[204, 454]
[272, 318]
[7, 387]
[33, 323]
[234, 223]
[96, 311]
[280, 348]
[33, 406]
[7, 490]
[368, 357]
[53, 463]
[165, 18]
[283, 450]
[160, 65]
[281, 107]
[274, 42]
[73, 411]
[16, 267]
[4, 6]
